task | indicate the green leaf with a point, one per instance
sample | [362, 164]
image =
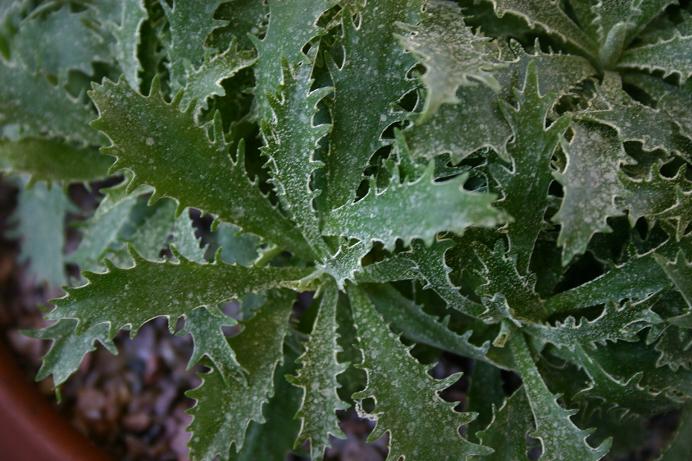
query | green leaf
[289, 30]
[31, 107]
[525, 185]
[681, 445]
[345, 263]
[433, 269]
[485, 394]
[406, 396]
[291, 139]
[456, 209]
[204, 82]
[190, 25]
[317, 377]
[371, 78]
[615, 323]
[68, 348]
[236, 247]
[260, 350]
[418, 325]
[165, 149]
[205, 326]
[40, 224]
[671, 56]
[679, 271]
[59, 43]
[452, 54]
[559, 436]
[132, 297]
[50, 160]
[507, 431]
[127, 39]
[591, 183]
[549, 16]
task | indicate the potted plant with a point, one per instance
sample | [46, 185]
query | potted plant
[505, 181]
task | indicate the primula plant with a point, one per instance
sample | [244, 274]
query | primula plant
[502, 180]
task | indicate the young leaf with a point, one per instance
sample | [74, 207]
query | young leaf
[317, 377]
[291, 139]
[525, 185]
[377, 216]
[205, 326]
[371, 78]
[671, 56]
[559, 436]
[406, 396]
[464, 59]
[259, 349]
[68, 348]
[127, 39]
[132, 297]
[591, 182]
[345, 263]
[165, 149]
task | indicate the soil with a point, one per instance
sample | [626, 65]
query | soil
[133, 404]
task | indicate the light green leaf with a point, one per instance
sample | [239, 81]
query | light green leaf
[259, 349]
[289, 30]
[377, 216]
[190, 25]
[371, 78]
[40, 224]
[345, 263]
[165, 149]
[549, 16]
[391, 269]
[68, 348]
[52, 160]
[591, 182]
[560, 438]
[525, 184]
[127, 39]
[406, 396]
[452, 54]
[654, 194]
[132, 297]
[317, 377]
[671, 56]
[291, 139]
[236, 247]
[508, 429]
[205, 326]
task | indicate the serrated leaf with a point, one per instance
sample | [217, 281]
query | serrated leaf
[59, 43]
[288, 31]
[681, 445]
[679, 271]
[165, 149]
[559, 436]
[549, 16]
[394, 268]
[205, 326]
[376, 217]
[591, 182]
[50, 160]
[525, 184]
[204, 82]
[634, 279]
[31, 107]
[452, 54]
[422, 327]
[485, 394]
[615, 323]
[432, 268]
[291, 139]
[406, 396]
[374, 70]
[317, 377]
[674, 348]
[507, 431]
[40, 224]
[190, 25]
[477, 121]
[127, 38]
[670, 56]
[68, 348]
[236, 247]
[259, 349]
[345, 263]
[132, 297]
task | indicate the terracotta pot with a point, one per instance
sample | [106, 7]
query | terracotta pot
[31, 427]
